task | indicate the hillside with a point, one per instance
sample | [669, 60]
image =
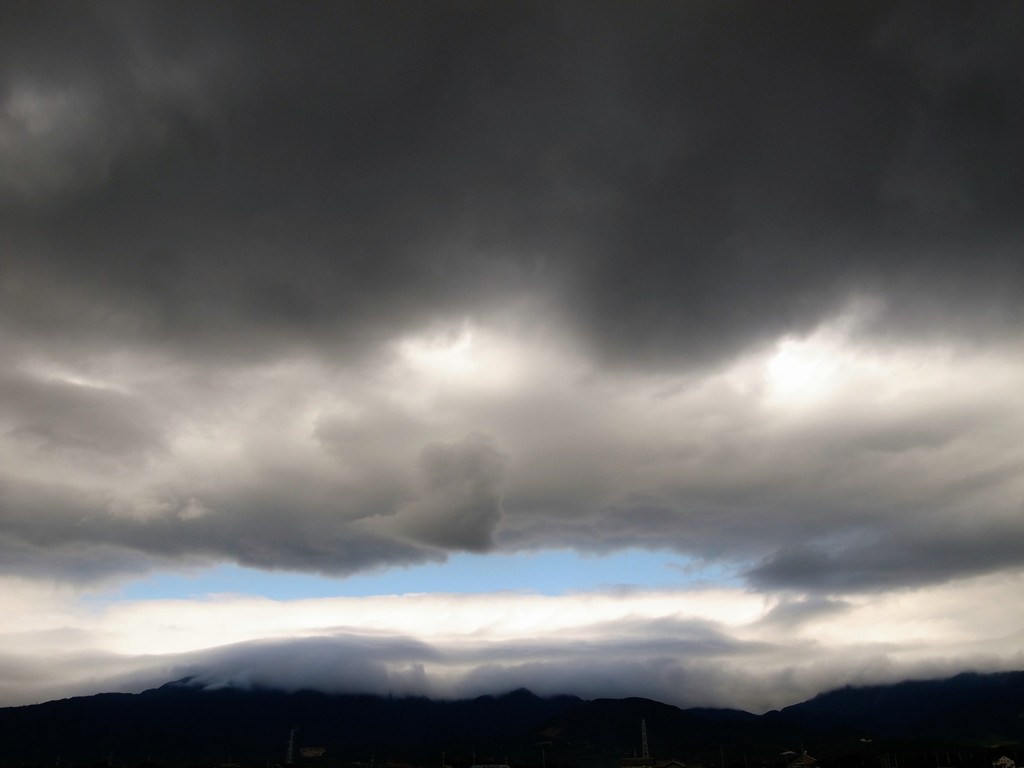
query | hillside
[182, 723]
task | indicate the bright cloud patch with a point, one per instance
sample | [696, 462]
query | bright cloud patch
[491, 440]
[689, 647]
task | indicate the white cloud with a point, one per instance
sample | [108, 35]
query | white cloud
[825, 442]
[721, 643]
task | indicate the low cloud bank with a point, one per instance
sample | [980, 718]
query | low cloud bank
[689, 648]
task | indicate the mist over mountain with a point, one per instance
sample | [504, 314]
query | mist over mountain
[183, 723]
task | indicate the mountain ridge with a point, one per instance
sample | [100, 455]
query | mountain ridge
[185, 723]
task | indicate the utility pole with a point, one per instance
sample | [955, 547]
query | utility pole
[645, 753]
[290, 758]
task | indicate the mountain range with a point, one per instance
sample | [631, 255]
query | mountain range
[959, 722]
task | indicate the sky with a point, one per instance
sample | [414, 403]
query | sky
[664, 349]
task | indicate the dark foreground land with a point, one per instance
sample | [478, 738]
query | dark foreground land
[964, 722]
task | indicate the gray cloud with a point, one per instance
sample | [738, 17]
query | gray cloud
[88, 422]
[919, 555]
[221, 224]
[790, 613]
[685, 181]
[461, 503]
[342, 663]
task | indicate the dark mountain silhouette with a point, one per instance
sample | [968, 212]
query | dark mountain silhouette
[969, 707]
[603, 731]
[182, 723]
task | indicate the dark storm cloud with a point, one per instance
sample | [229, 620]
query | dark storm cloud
[332, 139]
[686, 178]
[195, 197]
